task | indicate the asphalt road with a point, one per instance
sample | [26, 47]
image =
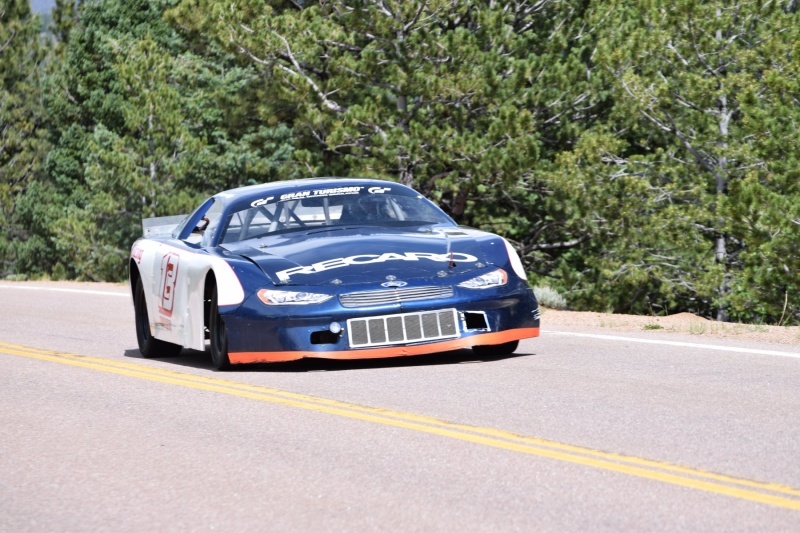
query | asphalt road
[642, 431]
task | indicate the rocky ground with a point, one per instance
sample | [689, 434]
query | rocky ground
[684, 323]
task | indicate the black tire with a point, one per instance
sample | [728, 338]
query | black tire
[149, 346]
[218, 335]
[507, 348]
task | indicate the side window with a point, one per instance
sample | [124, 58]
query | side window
[214, 218]
[206, 225]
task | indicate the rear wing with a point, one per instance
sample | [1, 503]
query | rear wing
[161, 226]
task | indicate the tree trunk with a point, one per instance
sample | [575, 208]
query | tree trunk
[720, 249]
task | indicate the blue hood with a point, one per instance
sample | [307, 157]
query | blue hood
[368, 254]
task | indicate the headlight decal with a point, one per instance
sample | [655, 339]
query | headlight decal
[495, 278]
[273, 297]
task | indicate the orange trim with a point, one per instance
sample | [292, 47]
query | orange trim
[499, 337]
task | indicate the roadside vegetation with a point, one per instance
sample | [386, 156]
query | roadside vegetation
[642, 156]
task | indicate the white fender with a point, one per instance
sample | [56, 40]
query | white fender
[173, 280]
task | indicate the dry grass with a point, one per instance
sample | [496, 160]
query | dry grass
[684, 323]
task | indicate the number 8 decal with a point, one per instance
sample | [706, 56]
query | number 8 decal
[169, 278]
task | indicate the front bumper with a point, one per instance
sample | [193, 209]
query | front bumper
[296, 332]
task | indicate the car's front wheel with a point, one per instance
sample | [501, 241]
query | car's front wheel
[149, 346]
[506, 348]
[218, 335]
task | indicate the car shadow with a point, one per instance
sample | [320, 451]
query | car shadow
[202, 360]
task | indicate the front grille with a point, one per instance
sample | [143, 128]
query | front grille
[402, 329]
[390, 296]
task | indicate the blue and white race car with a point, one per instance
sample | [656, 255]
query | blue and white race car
[325, 267]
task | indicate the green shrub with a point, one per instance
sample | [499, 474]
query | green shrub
[549, 297]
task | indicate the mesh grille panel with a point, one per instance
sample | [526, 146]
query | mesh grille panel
[413, 327]
[430, 325]
[377, 331]
[403, 328]
[358, 333]
[394, 328]
[447, 323]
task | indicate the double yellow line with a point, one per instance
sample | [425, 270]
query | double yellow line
[754, 491]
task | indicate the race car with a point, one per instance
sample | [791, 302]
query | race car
[336, 268]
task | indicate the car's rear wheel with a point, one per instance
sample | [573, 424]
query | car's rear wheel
[218, 335]
[149, 346]
[506, 348]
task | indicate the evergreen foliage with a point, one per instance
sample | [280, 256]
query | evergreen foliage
[642, 156]
[22, 144]
[142, 126]
[698, 78]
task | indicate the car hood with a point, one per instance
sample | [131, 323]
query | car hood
[364, 255]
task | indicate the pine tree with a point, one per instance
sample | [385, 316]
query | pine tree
[686, 70]
[473, 103]
[431, 94]
[143, 126]
[65, 16]
[22, 144]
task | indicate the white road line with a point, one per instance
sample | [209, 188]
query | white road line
[675, 343]
[545, 331]
[55, 289]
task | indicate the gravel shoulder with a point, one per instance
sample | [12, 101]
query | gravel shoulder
[681, 323]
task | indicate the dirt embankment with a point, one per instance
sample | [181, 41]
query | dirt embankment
[685, 323]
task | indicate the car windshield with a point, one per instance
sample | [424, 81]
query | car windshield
[297, 214]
